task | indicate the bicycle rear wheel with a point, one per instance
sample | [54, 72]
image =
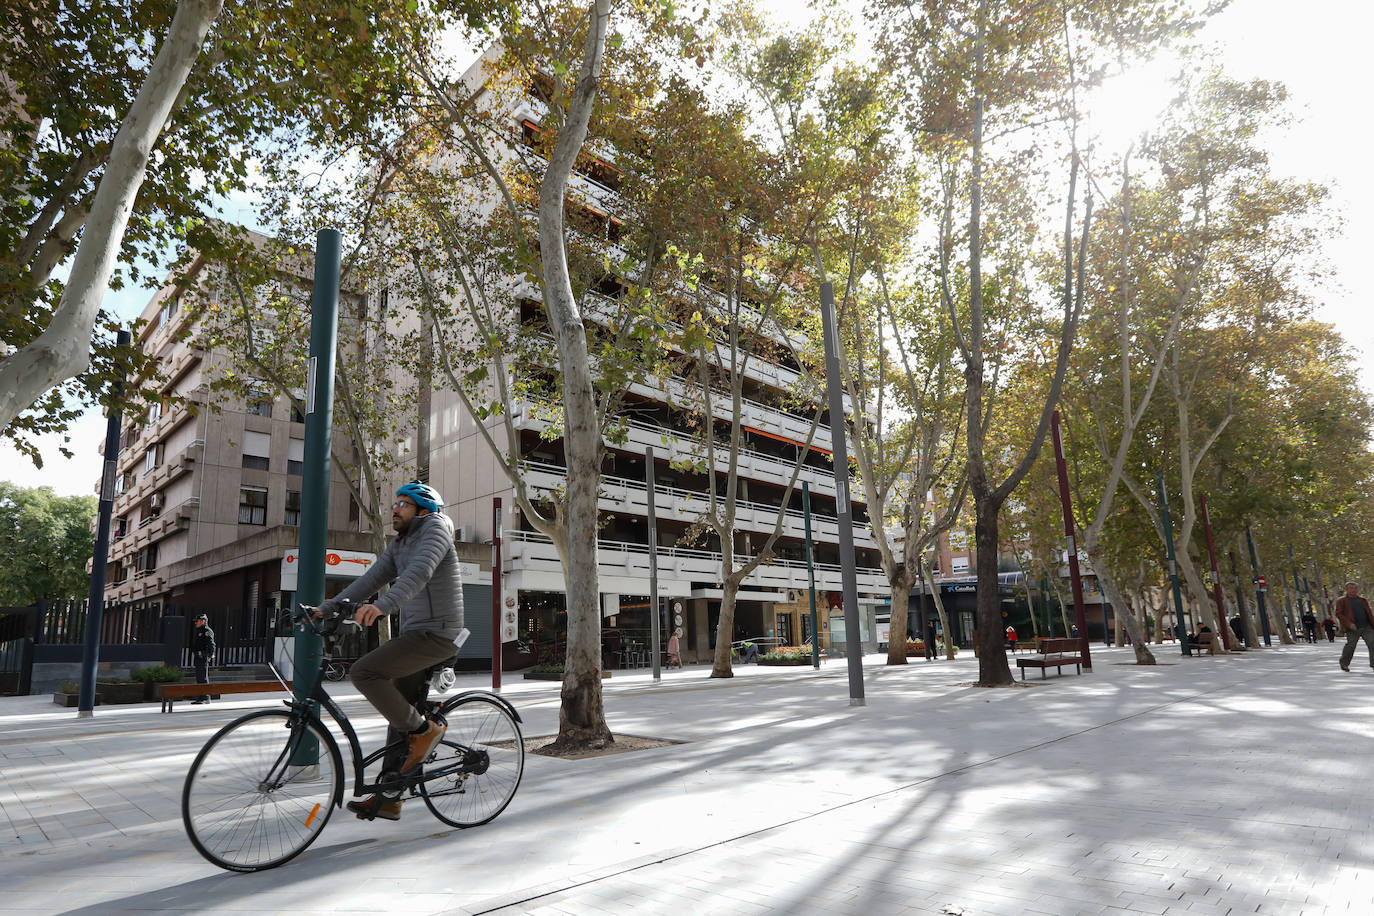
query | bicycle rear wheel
[476, 769]
[261, 790]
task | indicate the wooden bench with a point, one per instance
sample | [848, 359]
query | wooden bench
[1203, 642]
[170, 693]
[1053, 653]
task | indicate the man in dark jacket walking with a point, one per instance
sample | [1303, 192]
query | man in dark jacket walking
[1356, 622]
[427, 591]
[202, 652]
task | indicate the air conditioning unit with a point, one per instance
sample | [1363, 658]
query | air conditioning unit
[460, 533]
[156, 501]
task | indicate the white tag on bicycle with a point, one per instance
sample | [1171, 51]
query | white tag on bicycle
[462, 637]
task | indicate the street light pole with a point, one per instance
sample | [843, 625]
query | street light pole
[811, 578]
[844, 515]
[496, 628]
[95, 603]
[654, 635]
[1259, 589]
[1173, 566]
[1075, 578]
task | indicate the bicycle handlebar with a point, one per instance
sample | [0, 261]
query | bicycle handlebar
[328, 624]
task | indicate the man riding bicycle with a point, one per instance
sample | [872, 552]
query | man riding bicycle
[427, 591]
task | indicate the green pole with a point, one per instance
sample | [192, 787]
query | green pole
[811, 576]
[1173, 566]
[319, 413]
[1045, 600]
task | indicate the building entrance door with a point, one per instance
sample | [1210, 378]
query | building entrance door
[784, 631]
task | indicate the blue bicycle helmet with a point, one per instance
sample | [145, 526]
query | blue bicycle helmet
[425, 496]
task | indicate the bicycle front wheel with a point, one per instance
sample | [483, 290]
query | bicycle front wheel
[261, 790]
[475, 770]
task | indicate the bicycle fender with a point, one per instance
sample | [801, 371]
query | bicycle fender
[337, 755]
[494, 696]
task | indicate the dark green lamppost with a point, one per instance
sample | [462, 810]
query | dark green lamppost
[1180, 630]
[811, 578]
[319, 413]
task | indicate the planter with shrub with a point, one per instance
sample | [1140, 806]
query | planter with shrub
[119, 692]
[68, 694]
[153, 675]
[785, 657]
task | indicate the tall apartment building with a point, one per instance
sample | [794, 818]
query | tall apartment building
[208, 493]
[774, 601]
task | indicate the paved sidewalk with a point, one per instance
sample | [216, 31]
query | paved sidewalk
[1204, 785]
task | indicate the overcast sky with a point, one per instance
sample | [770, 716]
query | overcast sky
[1319, 48]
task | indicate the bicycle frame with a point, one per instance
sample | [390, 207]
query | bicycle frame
[320, 699]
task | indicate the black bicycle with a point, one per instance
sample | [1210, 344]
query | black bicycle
[263, 788]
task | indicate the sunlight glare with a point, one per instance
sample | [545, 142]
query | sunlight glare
[1129, 104]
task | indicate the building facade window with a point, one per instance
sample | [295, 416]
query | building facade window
[169, 310]
[295, 456]
[146, 559]
[293, 507]
[259, 404]
[252, 505]
[257, 447]
[152, 458]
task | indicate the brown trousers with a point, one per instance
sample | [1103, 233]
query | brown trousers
[392, 676]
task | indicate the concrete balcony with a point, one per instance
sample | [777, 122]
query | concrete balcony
[171, 469]
[604, 310]
[619, 494]
[669, 445]
[532, 557]
[771, 420]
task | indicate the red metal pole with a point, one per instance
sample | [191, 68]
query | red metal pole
[1216, 577]
[496, 593]
[1075, 578]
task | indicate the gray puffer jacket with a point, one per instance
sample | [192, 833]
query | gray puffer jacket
[428, 585]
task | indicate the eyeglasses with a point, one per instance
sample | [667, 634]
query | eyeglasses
[403, 503]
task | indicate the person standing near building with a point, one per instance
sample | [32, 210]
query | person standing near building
[202, 652]
[1356, 622]
[1011, 639]
[931, 639]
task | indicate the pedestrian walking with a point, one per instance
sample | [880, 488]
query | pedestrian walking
[202, 652]
[1329, 626]
[1356, 623]
[674, 649]
[1011, 639]
[930, 640]
[1309, 626]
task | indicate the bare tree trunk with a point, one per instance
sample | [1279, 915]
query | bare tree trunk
[901, 599]
[725, 628]
[940, 611]
[63, 349]
[582, 720]
[1140, 642]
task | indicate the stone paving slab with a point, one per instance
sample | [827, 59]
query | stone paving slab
[1219, 785]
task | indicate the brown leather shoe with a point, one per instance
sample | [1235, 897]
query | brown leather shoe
[376, 806]
[1345, 667]
[422, 744]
